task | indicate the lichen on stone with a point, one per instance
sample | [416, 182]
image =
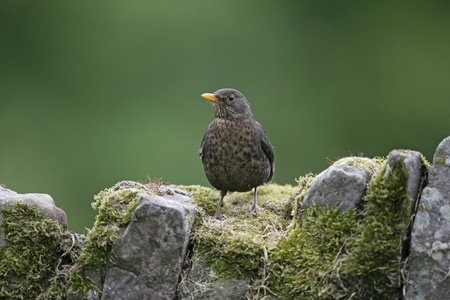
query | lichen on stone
[370, 165]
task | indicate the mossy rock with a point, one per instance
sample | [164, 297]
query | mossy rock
[231, 249]
[42, 260]
[328, 254]
[38, 256]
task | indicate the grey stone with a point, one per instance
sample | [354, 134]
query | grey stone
[201, 283]
[43, 203]
[339, 185]
[172, 192]
[428, 266]
[153, 247]
[124, 285]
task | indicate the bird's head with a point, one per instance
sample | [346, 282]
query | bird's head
[229, 104]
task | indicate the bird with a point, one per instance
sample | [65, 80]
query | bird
[235, 151]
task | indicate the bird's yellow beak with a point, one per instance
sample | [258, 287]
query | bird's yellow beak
[210, 97]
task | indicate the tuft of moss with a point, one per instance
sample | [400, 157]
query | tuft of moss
[37, 259]
[205, 198]
[306, 263]
[293, 205]
[233, 246]
[374, 258]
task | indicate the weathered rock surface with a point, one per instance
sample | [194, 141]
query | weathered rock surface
[151, 250]
[123, 285]
[338, 185]
[429, 262]
[43, 203]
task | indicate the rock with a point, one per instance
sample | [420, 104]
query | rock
[339, 185]
[124, 285]
[429, 262]
[172, 192]
[151, 250]
[43, 203]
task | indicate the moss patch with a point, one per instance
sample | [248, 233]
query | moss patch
[206, 198]
[233, 247]
[375, 250]
[306, 263]
[38, 257]
[371, 165]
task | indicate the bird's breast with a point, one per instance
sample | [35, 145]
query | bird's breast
[233, 157]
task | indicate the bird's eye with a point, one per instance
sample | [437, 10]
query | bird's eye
[231, 98]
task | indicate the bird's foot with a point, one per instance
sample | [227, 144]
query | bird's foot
[217, 216]
[251, 211]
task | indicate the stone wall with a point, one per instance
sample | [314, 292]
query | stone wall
[362, 229]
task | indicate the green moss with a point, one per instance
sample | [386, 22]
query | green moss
[305, 264]
[206, 198]
[37, 258]
[371, 165]
[233, 246]
[375, 251]
[293, 205]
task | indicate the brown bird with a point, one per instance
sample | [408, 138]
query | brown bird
[235, 151]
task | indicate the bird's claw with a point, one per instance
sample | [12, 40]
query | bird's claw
[249, 212]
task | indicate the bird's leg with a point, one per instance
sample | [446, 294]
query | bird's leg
[254, 209]
[217, 215]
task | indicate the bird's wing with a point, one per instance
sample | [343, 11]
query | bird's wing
[202, 146]
[200, 152]
[267, 149]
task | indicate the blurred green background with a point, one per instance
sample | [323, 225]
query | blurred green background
[93, 93]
